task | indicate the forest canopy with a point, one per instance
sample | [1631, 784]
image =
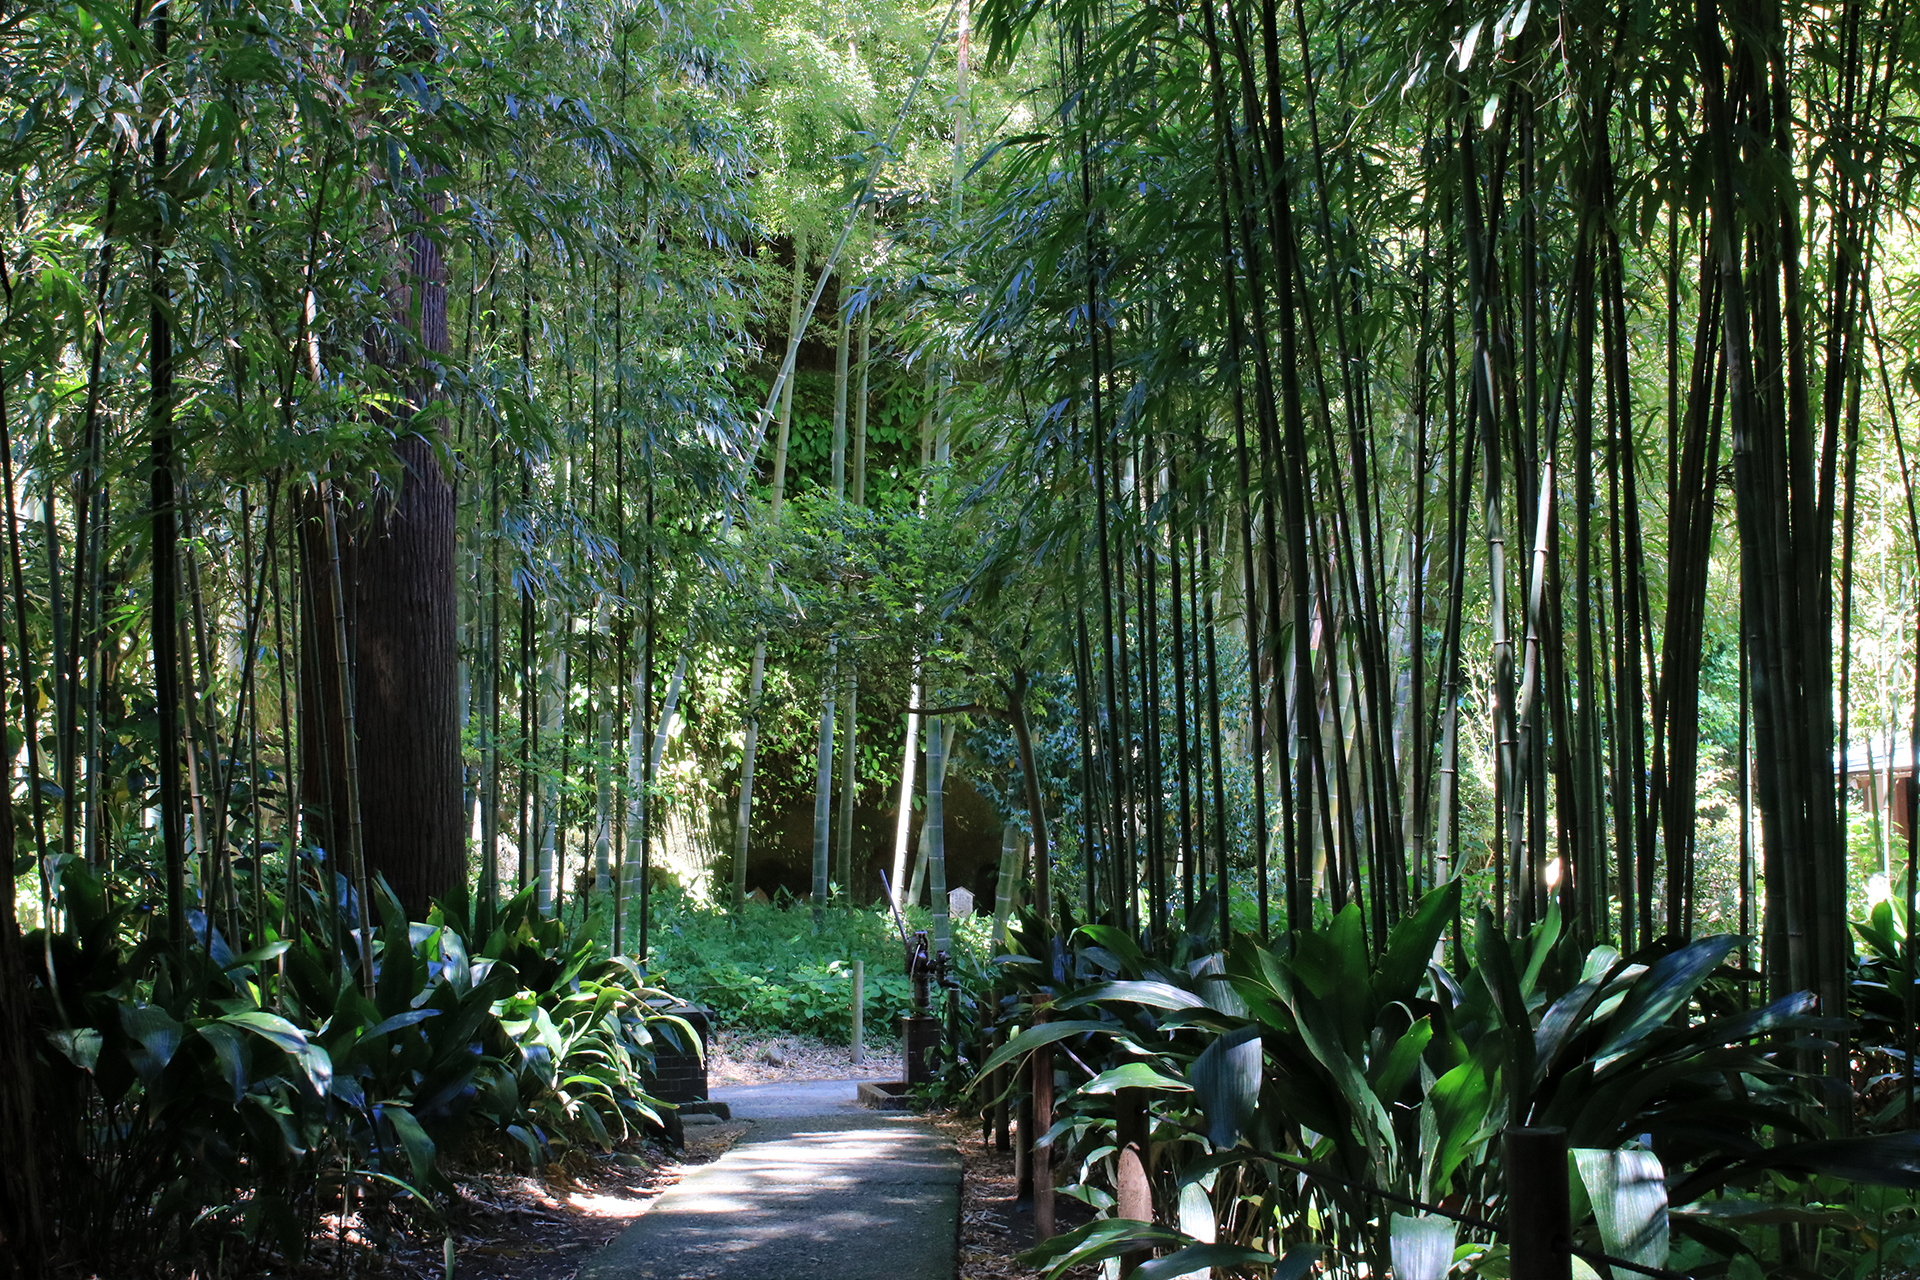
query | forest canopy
[1212, 472]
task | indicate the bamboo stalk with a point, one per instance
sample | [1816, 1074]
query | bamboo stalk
[349, 749]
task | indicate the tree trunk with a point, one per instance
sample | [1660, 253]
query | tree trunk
[397, 576]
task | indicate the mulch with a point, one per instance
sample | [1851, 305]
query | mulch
[995, 1227]
[510, 1224]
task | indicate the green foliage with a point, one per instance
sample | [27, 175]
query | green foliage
[763, 968]
[1364, 1068]
[1885, 966]
[223, 1101]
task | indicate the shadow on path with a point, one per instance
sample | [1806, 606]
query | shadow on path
[819, 1188]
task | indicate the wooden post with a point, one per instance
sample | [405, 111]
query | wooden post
[1023, 1151]
[1538, 1227]
[994, 1121]
[1002, 1119]
[1134, 1173]
[859, 1010]
[1042, 1157]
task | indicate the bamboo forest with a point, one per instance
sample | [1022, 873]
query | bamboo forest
[1343, 576]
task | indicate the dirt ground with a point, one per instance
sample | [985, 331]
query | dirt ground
[994, 1227]
[512, 1224]
[741, 1058]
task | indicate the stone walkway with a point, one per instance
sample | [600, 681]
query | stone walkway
[819, 1188]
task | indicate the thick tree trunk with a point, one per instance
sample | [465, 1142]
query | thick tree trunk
[397, 573]
[406, 699]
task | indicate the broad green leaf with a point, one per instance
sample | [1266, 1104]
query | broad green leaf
[229, 1050]
[1226, 1082]
[1200, 1259]
[1116, 941]
[288, 1038]
[399, 1020]
[1767, 1213]
[1629, 1194]
[1565, 1018]
[1545, 935]
[1391, 1073]
[1134, 1075]
[1372, 1125]
[272, 1028]
[1883, 1160]
[81, 1047]
[1213, 985]
[1333, 960]
[1101, 1238]
[157, 1034]
[413, 1139]
[1046, 1033]
[261, 955]
[1154, 995]
[1495, 970]
[1661, 991]
[1599, 963]
[1410, 944]
[1196, 1212]
[1466, 1108]
[1422, 1246]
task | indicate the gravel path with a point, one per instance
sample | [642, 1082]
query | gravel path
[743, 1058]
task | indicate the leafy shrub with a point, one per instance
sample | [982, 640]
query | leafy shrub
[763, 968]
[219, 1103]
[1289, 1085]
[1882, 968]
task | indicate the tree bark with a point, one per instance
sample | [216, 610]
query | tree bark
[397, 575]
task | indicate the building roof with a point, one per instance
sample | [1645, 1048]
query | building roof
[1866, 756]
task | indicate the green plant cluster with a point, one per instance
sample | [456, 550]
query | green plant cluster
[1885, 1026]
[1287, 1086]
[222, 1103]
[764, 968]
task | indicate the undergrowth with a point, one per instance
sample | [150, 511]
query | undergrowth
[765, 968]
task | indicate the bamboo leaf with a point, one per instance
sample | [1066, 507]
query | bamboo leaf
[1463, 51]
